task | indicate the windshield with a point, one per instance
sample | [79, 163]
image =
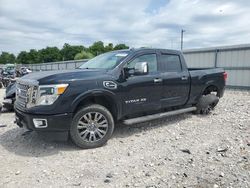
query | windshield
[105, 61]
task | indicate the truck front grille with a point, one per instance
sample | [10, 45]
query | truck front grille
[24, 93]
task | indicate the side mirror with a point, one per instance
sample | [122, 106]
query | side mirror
[141, 68]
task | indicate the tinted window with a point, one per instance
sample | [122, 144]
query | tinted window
[149, 58]
[170, 63]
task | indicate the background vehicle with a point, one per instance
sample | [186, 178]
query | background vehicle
[129, 85]
[7, 74]
[10, 97]
[23, 71]
[1, 78]
[8, 80]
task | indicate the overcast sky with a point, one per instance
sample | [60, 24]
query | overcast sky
[26, 24]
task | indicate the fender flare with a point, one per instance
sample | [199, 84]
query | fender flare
[209, 84]
[97, 92]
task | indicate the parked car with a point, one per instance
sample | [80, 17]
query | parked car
[1, 80]
[25, 70]
[8, 80]
[10, 97]
[131, 86]
[8, 73]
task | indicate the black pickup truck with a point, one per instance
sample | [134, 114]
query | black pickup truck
[128, 86]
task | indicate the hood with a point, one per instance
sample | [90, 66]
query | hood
[64, 76]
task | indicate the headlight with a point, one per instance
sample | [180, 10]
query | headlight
[47, 94]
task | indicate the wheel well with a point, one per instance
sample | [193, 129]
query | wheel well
[105, 101]
[211, 89]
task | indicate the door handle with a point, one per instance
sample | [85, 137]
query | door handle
[157, 80]
[184, 78]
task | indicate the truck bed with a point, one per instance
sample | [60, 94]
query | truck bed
[200, 77]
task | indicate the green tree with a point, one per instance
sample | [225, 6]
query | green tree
[6, 57]
[23, 57]
[83, 55]
[50, 54]
[97, 48]
[34, 57]
[120, 47]
[68, 52]
[109, 47]
[30, 57]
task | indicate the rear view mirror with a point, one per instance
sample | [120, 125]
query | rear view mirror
[141, 68]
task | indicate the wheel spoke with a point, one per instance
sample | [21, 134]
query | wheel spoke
[101, 131]
[86, 118]
[97, 117]
[89, 116]
[94, 137]
[102, 122]
[103, 125]
[82, 125]
[98, 133]
[83, 133]
[90, 137]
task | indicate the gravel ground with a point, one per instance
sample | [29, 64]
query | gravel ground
[181, 151]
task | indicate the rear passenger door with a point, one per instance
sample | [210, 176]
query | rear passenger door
[175, 79]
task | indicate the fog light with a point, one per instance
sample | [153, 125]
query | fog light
[40, 123]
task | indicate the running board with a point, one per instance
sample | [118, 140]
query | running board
[157, 116]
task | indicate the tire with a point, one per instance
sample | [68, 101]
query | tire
[92, 126]
[206, 103]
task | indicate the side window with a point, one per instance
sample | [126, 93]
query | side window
[149, 58]
[170, 63]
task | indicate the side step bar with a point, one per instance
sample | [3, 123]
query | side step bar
[157, 116]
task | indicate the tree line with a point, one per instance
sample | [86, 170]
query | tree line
[52, 54]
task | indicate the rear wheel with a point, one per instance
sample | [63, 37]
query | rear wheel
[92, 126]
[206, 104]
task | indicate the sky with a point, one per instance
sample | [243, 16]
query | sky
[34, 24]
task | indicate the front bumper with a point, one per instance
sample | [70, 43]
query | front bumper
[59, 122]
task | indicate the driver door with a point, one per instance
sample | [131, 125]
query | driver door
[142, 92]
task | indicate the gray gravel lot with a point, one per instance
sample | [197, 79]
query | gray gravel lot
[181, 151]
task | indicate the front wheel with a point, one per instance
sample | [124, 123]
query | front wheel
[92, 126]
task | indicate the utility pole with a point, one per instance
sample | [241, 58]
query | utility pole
[182, 32]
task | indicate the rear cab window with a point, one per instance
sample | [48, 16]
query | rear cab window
[170, 63]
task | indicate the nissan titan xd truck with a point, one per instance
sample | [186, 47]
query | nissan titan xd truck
[128, 86]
